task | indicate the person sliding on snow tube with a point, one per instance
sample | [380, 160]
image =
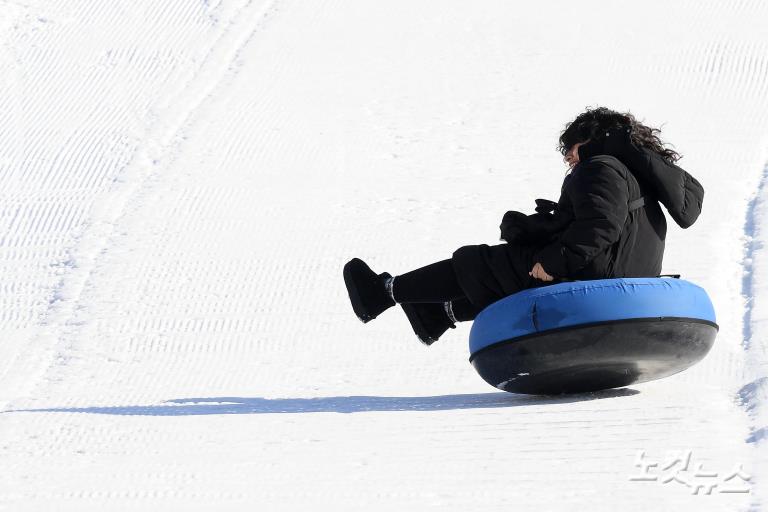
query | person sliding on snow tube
[606, 224]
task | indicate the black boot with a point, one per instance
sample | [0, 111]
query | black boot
[428, 319]
[367, 290]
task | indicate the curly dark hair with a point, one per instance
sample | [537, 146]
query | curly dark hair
[591, 123]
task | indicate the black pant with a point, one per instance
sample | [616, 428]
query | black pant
[474, 278]
[435, 283]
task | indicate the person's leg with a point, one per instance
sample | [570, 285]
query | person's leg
[371, 294]
[432, 300]
[430, 320]
[438, 295]
[430, 296]
[490, 273]
[461, 310]
[433, 283]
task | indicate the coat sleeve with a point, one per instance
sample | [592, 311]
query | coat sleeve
[599, 196]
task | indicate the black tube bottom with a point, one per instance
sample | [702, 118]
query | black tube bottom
[595, 357]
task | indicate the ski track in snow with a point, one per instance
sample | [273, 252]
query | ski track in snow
[754, 246]
[159, 144]
[182, 183]
[754, 394]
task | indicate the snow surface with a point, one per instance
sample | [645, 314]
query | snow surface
[181, 183]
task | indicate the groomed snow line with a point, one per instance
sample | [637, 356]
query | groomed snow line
[181, 184]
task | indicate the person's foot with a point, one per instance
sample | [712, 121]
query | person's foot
[367, 290]
[428, 320]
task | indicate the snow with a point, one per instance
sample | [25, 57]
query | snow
[182, 182]
[754, 394]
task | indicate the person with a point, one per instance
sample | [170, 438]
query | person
[607, 223]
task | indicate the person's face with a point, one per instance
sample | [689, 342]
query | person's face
[572, 156]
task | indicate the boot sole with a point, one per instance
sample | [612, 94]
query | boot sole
[354, 295]
[418, 326]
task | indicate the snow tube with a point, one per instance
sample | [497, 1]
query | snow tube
[589, 335]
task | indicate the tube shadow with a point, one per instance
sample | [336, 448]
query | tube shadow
[338, 404]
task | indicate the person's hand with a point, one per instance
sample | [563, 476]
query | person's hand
[538, 272]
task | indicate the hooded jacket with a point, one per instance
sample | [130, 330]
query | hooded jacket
[614, 224]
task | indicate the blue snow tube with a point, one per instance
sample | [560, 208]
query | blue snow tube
[589, 335]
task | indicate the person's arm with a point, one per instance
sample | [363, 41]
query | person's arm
[599, 197]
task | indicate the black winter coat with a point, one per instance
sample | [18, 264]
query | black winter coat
[610, 234]
[599, 229]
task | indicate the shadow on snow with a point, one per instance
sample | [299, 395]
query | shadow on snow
[338, 404]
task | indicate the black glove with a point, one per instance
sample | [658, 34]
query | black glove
[536, 228]
[614, 141]
[513, 226]
[541, 226]
[545, 206]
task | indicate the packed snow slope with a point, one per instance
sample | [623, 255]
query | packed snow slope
[182, 182]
